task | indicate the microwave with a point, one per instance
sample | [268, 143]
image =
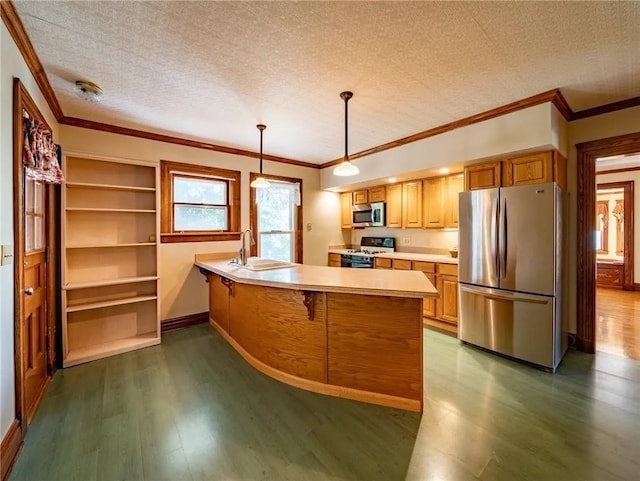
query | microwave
[368, 215]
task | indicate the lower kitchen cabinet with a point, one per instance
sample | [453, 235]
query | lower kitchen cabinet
[219, 292]
[429, 269]
[447, 304]
[334, 260]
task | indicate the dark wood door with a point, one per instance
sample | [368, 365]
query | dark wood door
[34, 319]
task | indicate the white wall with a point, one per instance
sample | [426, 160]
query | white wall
[621, 177]
[183, 290]
[11, 65]
[532, 129]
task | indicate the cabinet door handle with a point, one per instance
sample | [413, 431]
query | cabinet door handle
[29, 291]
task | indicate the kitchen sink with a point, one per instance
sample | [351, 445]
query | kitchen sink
[262, 264]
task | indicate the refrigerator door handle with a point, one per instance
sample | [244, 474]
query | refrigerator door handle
[504, 295]
[496, 245]
[503, 240]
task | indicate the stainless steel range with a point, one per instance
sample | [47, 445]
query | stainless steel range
[369, 246]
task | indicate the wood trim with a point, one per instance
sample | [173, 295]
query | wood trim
[166, 211]
[169, 238]
[176, 323]
[11, 444]
[319, 387]
[587, 153]
[23, 101]
[607, 108]
[627, 186]
[253, 213]
[616, 171]
[142, 134]
[554, 96]
[18, 33]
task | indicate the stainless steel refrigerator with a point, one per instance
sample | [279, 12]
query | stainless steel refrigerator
[510, 272]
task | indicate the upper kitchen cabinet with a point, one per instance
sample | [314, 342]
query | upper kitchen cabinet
[483, 176]
[345, 209]
[394, 205]
[377, 194]
[360, 197]
[535, 169]
[454, 184]
[433, 191]
[412, 204]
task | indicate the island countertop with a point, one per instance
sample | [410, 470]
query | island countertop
[376, 282]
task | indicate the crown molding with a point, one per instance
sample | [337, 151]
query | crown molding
[605, 109]
[143, 134]
[18, 33]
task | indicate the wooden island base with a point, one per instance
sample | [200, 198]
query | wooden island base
[355, 346]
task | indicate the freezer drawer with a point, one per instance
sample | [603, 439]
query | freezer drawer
[518, 325]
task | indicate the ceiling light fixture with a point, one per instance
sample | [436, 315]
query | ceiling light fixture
[346, 168]
[260, 182]
[444, 170]
[392, 180]
[88, 91]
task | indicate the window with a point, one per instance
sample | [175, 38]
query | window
[199, 203]
[276, 219]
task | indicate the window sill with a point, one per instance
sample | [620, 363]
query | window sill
[198, 237]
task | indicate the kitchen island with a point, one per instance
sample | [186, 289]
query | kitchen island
[352, 333]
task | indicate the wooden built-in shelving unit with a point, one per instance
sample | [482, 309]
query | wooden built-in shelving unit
[110, 257]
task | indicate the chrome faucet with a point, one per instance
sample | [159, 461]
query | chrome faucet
[243, 250]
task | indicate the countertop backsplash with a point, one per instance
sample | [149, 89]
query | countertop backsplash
[425, 241]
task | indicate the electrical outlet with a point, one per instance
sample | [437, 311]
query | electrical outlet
[406, 241]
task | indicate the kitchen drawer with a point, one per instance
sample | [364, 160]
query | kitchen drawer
[401, 264]
[424, 266]
[380, 263]
[448, 269]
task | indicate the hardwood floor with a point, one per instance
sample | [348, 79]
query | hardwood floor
[192, 409]
[618, 322]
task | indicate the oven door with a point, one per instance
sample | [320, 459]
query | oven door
[356, 261]
[377, 214]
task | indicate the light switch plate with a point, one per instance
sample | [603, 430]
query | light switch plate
[6, 254]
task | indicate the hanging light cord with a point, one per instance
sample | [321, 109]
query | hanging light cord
[261, 128]
[346, 96]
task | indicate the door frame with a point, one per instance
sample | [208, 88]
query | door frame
[587, 153]
[253, 213]
[628, 222]
[23, 101]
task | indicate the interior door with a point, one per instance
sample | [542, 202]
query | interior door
[34, 320]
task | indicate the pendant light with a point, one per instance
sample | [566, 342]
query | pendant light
[346, 168]
[260, 182]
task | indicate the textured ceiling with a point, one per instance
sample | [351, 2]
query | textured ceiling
[212, 70]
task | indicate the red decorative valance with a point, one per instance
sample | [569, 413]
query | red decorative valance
[40, 153]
